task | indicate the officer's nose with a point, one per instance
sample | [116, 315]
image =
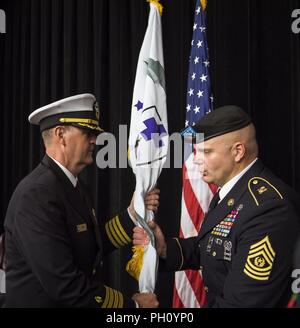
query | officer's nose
[93, 139]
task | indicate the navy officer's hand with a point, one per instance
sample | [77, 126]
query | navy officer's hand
[146, 300]
[141, 238]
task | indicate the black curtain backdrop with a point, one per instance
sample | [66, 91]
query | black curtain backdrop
[58, 48]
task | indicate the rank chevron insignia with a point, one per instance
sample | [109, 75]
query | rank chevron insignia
[260, 260]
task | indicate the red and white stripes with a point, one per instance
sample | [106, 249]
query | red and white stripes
[196, 195]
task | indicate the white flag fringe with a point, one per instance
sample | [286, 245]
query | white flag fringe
[148, 140]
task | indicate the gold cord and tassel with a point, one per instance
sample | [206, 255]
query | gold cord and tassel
[135, 264]
[157, 4]
[160, 7]
[203, 4]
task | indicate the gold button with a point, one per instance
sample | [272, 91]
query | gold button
[206, 289]
[98, 299]
[214, 254]
[255, 182]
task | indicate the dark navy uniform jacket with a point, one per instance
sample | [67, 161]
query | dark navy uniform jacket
[245, 245]
[55, 246]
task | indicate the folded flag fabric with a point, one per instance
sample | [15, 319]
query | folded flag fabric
[148, 139]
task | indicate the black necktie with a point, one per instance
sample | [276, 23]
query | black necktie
[77, 188]
[214, 201]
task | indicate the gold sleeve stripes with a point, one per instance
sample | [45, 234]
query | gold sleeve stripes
[113, 299]
[116, 233]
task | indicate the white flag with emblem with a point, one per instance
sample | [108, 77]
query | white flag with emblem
[148, 140]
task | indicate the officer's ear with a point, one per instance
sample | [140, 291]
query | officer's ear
[238, 150]
[60, 134]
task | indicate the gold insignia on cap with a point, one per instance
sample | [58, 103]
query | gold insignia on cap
[262, 189]
[93, 127]
[81, 227]
[77, 120]
[230, 202]
[260, 260]
[97, 110]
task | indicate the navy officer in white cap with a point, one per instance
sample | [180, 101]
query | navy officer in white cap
[54, 243]
[246, 243]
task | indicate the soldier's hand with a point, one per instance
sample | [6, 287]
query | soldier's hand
[146, 300]
[141, 238]
[151, 202]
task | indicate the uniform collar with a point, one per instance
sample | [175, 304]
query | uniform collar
[231, 200]
[70, 176]
[72, 194]
[229, 185]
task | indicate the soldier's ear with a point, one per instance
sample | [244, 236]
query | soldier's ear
[239, 151]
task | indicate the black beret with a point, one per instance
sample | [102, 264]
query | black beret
[220, 121]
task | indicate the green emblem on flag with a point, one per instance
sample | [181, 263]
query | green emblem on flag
[156, 72]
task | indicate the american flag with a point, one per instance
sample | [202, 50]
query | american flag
[196, 194]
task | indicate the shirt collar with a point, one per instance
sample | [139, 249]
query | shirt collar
[229, 185]
[67, 172]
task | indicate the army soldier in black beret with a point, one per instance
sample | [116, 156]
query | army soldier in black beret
[245, 245]
[54, 243]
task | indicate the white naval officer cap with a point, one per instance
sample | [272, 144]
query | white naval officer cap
[81, 111]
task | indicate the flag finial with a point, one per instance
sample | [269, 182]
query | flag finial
[203, 4]
[157, 4]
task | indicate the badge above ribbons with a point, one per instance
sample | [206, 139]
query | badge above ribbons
[260, 260]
